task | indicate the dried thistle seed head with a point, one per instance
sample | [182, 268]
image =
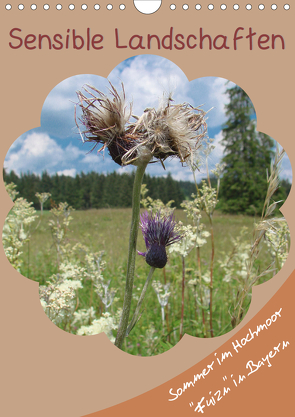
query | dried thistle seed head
[104, 120]
[158, 232]
[123, 149]
[175, 130]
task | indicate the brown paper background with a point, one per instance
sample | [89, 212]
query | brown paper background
[47, 372]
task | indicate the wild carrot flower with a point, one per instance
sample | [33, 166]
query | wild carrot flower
[158, 232]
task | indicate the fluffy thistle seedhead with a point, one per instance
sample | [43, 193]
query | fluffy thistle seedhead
[104, 120]
[158, 232]
[173, 130]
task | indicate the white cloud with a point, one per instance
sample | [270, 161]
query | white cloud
[183, 175]
[218, 98]
[73, 152]
[91, 158]
[68, 172]
[35, 149]
[99, 162]
[63, 96]
[58, 111]
[145, 79]
[125, 170]
[37, 152]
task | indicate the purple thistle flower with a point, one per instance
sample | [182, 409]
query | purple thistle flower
[158, 232]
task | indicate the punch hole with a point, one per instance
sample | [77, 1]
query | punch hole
[147, 6]
[172, 6]
[71, 6]
[274, 7]
[96, 7]
[223, 6]
[248, 6]
[8, 7]
[33, 6]
[185, 6]
[287, 6]
[236, 7]
[46, 6]
[122, 7]
[109, 6]
[198, 7]
[84, 7]
[210, 6]
[21, 7]
[261, 7]
[58, 7]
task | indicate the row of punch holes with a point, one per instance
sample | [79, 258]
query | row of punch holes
[172, 7]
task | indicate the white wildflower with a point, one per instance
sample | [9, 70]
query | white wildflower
[235, 263]
[83, 317]
[163, 295]
[105, 324]
[106, 294]
[16, 230]
[187, 243]
[42, 197]
[278, 242]
[58, 297]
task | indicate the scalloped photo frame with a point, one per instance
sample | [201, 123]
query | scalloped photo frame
[69, 227]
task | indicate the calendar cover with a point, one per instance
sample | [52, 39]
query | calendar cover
[147, 208]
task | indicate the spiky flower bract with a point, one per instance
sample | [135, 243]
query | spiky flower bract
[158, 232]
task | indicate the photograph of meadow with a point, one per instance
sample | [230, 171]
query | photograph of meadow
[146, 206]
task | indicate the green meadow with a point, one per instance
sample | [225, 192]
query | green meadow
[107, 230]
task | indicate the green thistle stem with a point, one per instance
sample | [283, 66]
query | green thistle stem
[136, 317]
[131, 255]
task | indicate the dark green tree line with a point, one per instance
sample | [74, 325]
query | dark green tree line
[93, 190]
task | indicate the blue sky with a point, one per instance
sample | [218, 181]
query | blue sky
[57, 148]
